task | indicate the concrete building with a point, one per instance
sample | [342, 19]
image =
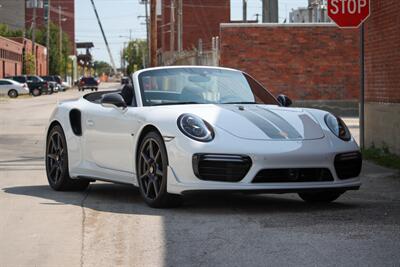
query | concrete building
[315, 12]
[12, 13]
[10, 57]
[382, 70]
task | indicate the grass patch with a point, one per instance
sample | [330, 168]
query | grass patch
[382, 156]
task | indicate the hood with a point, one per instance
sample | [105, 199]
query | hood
[260, 122]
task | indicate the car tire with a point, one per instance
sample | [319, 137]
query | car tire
[152, 164]
[36, 92]
[320, 197]
[57, 163]
[13, 93]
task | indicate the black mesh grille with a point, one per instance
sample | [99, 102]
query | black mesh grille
[348, 165]
[293, 175]
[223, 168]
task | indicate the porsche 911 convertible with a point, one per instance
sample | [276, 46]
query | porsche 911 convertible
[183, 129]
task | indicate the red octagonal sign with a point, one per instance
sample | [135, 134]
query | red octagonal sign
[348, 13]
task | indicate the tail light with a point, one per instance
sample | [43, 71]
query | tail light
[82, 82]
[25, 85]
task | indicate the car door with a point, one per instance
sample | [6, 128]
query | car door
[108, 138]
[4, 87]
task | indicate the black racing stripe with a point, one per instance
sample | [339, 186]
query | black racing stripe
[279, 122]
[262, 124]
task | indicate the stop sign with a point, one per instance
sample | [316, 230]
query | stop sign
[348, 13]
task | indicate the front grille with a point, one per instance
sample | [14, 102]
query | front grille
[293, 175]
[348, 165]
[223, 168]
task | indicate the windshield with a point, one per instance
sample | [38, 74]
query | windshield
[201, 86]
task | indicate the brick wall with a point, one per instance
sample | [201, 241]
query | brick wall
[10, 57]
[68, 13]
[40, 54]
[382, 52]
[201, 20]
[306, 62]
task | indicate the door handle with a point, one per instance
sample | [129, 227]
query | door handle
[90, 123]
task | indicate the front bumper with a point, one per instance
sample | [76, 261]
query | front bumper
[319, 153]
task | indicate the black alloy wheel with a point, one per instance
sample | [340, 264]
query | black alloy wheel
[57, 163]
[152, 173]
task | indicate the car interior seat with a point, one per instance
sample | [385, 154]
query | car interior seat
[192, 94]
[128, 95]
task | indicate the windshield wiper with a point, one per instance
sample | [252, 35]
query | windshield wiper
[243, 103]
[176, 103]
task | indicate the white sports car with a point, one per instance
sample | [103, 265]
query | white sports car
[186, 129]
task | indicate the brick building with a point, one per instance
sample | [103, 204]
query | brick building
[318, 63]
[67, 17]
[201, 19]
[10, 57]
[40, 54]
[382, 67]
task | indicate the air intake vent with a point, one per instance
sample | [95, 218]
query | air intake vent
[222, 168]
[293, 175]
[348, 165]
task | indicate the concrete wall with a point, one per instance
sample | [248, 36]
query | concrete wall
[303, 61]
[12, 13]
[382, 66]
[10, 57]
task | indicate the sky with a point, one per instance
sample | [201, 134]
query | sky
[119, 17]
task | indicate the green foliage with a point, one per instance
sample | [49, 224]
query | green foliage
[382, 156]
[133, 55]
[101, 67]
[30, 64]
[5, 31]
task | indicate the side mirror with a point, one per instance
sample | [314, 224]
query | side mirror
[113, 100]
[284, 100]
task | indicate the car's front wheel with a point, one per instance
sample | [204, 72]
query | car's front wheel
[57, 163]
[152, 172]
[320, 197]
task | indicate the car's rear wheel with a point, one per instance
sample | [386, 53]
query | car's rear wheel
[57, 163]
[13, 93]
[320, 197]
[36, 92]
[152, 173]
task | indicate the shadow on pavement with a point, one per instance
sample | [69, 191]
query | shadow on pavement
[126, 199]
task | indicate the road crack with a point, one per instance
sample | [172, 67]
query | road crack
[83, 224]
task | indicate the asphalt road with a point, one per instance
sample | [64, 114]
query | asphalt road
[109, 225]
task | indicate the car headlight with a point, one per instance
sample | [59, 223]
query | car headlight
[195, 128]
[338, 127]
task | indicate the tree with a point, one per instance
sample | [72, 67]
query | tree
[5, 31]
[133, 54]
[101, 67]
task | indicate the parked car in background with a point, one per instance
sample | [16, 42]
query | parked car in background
[125, 81]
[88, 83]
[53, 84]
[37, 85]
[13, 88]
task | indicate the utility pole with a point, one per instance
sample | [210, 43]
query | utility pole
[147, 29]
[270, 11]
[34, 32]
[105, 38]
[61, 34]
[172, 29]
[48, 35]
[180, 26]
[362, 87]
[153, 33]
[244, 10]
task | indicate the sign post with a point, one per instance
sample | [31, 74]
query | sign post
[352, 14]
